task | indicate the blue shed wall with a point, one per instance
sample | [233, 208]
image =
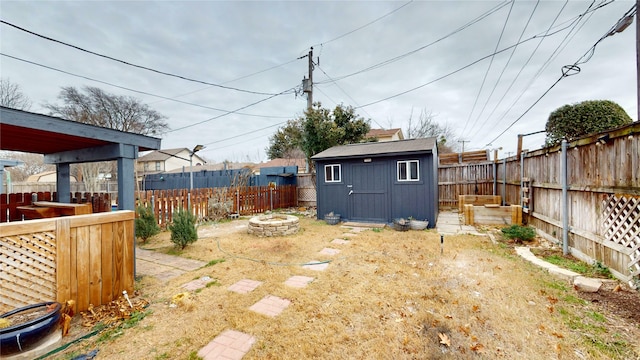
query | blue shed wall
[400, 199]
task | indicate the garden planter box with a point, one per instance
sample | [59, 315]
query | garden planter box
[492, 215]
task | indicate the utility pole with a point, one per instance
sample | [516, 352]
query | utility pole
[307, 84]
[466, 141]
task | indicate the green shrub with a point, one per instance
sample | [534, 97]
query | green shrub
[146, 224]
[183, 229]
[519, 233]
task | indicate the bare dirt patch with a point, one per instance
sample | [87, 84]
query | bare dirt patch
[387, 294]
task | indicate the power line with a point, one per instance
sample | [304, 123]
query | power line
[399, 57]
[545, 64]
[132, 90]
[484, 79]
[365, 25]
[132, 64]
[471, 64]
[233, 111]
[504, 68]
[568, 69]
[349, 96]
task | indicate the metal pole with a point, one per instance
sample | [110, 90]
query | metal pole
[190, 179]
[565, 201]
[521, 177]
[504, 181]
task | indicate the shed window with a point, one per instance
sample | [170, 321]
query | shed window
[408, 170]
[332, 173]
[158, 166]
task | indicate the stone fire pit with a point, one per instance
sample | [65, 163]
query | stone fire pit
[273, 225]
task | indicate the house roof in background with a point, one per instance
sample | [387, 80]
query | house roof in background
[213, 167]
[377, 133]
[300, 163]
[162, 154]
[378, 148]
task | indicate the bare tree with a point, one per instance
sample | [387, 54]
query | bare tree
[96, 107]
[32, 164]
[12, 96]
[426, 126]
[92, 105]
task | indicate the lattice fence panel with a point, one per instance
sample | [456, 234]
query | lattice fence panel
[621, 224]
[306, 194]
[27, 269]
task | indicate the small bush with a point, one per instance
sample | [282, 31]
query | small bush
[183, 229]
[146, 224]
[519, 233]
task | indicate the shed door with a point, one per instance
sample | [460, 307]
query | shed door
[368, 194]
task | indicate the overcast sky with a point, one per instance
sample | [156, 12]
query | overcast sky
[385, 58]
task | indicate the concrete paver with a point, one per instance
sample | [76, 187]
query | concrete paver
[316, 265]
[270, 305]
[229, 345]
[298, 281]
[329, 251]
[163, 266]
[198, 283]
[449, 223]
[244, 286]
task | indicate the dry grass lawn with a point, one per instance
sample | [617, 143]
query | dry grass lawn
[386, 295]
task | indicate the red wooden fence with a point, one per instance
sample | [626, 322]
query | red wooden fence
[240, 200]
[10, 202]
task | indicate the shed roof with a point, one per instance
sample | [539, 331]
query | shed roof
[378, 148]
[161, 155]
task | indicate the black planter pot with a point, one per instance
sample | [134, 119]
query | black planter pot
[22, 337]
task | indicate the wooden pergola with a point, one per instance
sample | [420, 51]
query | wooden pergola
[65, 142]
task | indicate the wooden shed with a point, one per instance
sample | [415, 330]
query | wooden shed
[380, 181]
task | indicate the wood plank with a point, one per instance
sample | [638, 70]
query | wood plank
[95, 264]
[118, 244]
[26, 227]
[83, 266]
[128, 277]
[106, 252]
[101, 218]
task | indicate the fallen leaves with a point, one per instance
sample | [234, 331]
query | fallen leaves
[444, 339]
[112, 312]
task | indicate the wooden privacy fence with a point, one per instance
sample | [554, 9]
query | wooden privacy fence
[233, 200]
[464, 179]
[86, 258]
[603, 194]
[9, 202]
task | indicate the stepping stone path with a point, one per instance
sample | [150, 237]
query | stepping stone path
[270, 305]
[232, 344]
[298, 281]
[244, 286]
[329, 251]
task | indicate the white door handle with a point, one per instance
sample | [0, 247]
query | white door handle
[350, 192]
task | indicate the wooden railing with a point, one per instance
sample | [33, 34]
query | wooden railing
[9, 203]
[85, 258]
